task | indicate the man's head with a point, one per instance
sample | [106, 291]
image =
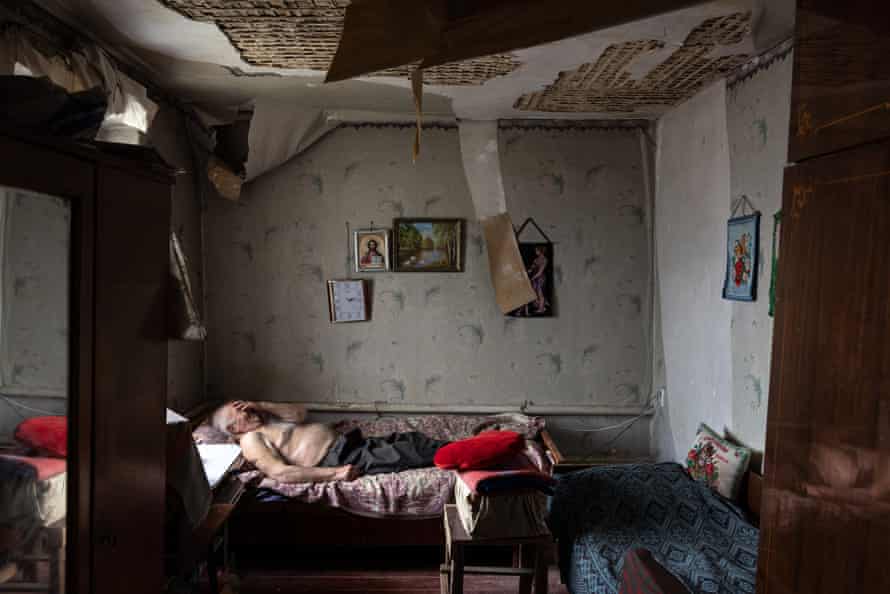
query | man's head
[236, 420]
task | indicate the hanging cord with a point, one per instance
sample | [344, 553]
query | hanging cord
[350, 255]
[650, 405]
[624, 427]
[742, 202]
[777, 222]
[15, 405]
[417, 92]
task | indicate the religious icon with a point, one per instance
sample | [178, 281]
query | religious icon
[538, 260]
[371, 250]
[741, 267]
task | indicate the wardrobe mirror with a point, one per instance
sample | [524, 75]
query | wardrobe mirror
[35, 262]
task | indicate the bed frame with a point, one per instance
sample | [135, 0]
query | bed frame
[297, 524]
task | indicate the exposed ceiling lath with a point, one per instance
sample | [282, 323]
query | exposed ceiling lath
[608, 86]
[304, 34]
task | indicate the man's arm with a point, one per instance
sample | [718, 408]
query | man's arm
[268, 461]
[290, 412]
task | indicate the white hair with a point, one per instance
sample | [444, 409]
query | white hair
[220, 421]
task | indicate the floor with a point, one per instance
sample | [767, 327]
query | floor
[371, 571]
[411, 581]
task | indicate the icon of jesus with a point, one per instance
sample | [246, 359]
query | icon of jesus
[372, 258]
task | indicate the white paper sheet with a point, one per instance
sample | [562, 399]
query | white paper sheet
[175, 417]
[217, 458]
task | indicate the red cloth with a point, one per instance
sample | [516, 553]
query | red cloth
[516, 473]
[482, 451]
[45, 467]
[47, 435]
[642, 574]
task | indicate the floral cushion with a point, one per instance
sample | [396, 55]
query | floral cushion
[716, 462]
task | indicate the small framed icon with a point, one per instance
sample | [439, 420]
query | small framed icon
[348, 300]
[371, 250]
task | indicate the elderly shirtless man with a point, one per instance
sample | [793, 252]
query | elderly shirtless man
[274, 438]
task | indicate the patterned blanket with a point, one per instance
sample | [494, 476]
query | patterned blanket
[597, 515]
[419, 493]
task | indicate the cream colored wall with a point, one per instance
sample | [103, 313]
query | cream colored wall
[758, 112]
[435, 339]
[35, 236]
[720, 145]
[185, 360]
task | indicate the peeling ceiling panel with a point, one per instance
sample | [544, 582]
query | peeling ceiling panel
[304, 35]
[611, 84]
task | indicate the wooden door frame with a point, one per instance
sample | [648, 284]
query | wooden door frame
[37, 166]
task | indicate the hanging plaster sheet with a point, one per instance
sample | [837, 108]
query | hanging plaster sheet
[128, 102]
[482, 166]
[279, 132]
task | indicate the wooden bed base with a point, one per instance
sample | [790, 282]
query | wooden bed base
[296, 524]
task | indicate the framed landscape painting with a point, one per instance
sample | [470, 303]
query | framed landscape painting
[742, 246]
[429, 245]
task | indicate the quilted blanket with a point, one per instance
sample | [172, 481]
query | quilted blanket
[417, 493]
[597, 515]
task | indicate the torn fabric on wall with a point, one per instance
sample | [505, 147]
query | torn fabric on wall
[129, 107]
[482, 167]
[40, 107]
[184, 319]
[279, 132]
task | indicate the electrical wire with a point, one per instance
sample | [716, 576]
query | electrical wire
[612, 441]
[16, 405]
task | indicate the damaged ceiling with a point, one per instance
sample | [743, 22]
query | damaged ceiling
[231, 53]
[608, 85]
[304, 35]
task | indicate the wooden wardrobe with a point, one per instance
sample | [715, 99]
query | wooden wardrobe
[826, 508]
[120, 198]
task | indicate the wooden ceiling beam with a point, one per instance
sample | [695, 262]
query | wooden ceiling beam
[380, 34]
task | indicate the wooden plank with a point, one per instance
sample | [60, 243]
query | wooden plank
[826, 499]
[27, 162]
[552, 447]
[132, 268]
[497, 570]
[841, 91]
[380, 34]
[508, 26]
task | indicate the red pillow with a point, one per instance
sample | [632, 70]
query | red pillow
[47, 435]
[481, 451]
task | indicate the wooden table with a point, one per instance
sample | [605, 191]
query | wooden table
[530, 558]
[565, 463]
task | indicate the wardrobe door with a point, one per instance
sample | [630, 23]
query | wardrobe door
[132, 265]
[826, 512]
[25, 166]
[841, 94]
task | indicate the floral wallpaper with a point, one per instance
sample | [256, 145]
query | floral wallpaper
[434, 338]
